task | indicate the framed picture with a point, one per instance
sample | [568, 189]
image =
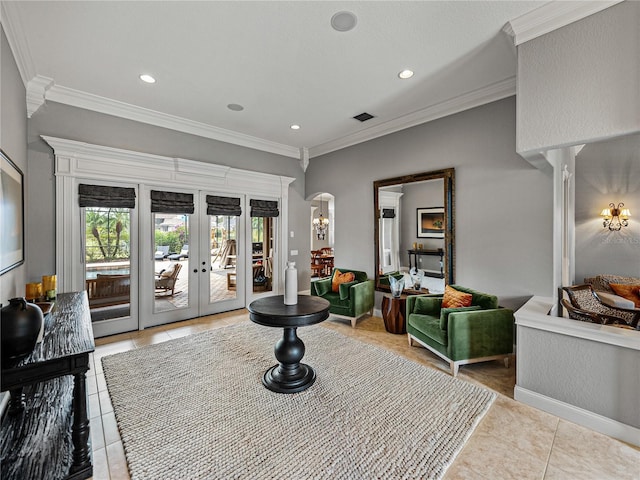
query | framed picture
[11, 215]
[431, 222]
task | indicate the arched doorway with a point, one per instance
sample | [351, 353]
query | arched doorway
[322, 235]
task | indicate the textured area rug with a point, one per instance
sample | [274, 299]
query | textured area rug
[195, 408]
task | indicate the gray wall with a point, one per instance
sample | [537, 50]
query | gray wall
[503, 204]
[597, 377]
[607, 172]
[580, 82]
[13, 140]
[72, 123]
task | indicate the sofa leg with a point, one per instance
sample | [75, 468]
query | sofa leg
[454, 368]
[506, 362]
[353, 322]
[410, 339]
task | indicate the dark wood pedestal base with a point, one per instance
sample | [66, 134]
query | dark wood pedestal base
[289, 376]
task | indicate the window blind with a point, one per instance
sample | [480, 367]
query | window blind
[264, 208]
[223, 206]
[171, 202]
[105, 196]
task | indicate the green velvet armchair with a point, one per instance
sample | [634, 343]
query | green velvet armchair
[462, 335]
[354, 299]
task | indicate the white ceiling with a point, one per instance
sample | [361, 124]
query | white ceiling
[281, 60]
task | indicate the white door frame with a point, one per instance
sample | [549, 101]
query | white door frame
[75, 160]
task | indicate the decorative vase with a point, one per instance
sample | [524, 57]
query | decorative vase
[416, 278]
[396, 286]
[291, 284]
[21, 324]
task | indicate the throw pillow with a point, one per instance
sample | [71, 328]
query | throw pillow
[322, 287]
[454, 298]
[427, 305]
[339, 277]
[345, 288]
[630, 292]
[168, 272]
[444, 314]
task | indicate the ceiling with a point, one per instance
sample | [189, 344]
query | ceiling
[282, 61]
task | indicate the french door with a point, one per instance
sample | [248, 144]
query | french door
[217, 258]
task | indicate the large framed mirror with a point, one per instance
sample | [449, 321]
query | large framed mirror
[415, 231]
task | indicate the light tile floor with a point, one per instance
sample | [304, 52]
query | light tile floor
[513, 441]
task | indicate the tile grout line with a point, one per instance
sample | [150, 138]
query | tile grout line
[555, 433]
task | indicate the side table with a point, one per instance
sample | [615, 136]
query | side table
[289, 375]
[393, 312]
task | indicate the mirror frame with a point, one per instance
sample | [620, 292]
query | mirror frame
[448, 175]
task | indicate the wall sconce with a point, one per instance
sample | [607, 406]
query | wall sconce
[615, 217]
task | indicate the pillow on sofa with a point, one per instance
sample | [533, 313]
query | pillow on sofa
[630, 292]
[455, 299]
[339, 278]
[427, 305]
[322, 287]
[344, 289]
[444, 314]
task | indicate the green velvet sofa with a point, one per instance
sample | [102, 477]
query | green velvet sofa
[353, 301]
[478, 333]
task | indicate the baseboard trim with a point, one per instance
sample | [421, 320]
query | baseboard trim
[578, 415]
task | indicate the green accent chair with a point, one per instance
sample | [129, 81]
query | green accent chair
[353, 301]
[478, 333]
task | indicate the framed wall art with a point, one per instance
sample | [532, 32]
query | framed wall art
[11, 215]
[430, 222]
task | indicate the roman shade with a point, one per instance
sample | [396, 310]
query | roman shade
[171, 202]
[223, 206]
[105, 196]
[264, 208]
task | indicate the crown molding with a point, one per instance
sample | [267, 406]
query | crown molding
[17, 42]
[37, 89]
[475, 98]
[88, 101]
[304, 158]
[551, 16]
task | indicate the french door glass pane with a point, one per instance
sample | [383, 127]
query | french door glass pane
[171, 234]
[224, 250]
[262, 242]
[107, 245]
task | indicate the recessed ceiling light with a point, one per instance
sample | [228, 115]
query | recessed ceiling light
[235, 107]
[404, 74]
[295, 127]
[344, 21]
[147, 78]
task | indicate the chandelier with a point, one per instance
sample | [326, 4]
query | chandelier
[320, 224]
[615, 217]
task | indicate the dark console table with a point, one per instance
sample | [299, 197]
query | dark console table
[289, 376]
[436, 253]
[45, 433]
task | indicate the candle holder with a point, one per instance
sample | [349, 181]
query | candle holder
[33, 292]
[49, 283]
